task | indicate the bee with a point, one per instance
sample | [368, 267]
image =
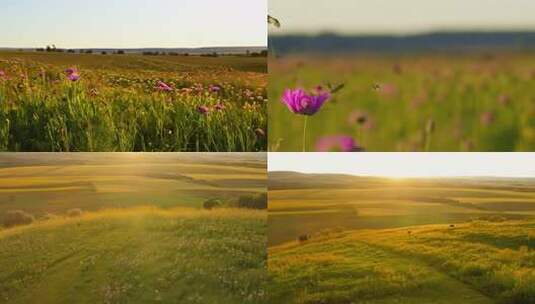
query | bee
[273, 21]
[335, 88]
[376, 87]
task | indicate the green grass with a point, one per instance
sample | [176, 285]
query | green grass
[142, 235]
[476, 102]
[137, 255]
[115, 106]
[143, 64]
[476, 262]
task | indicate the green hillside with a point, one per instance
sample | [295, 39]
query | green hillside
[137, 255]
[478, 262]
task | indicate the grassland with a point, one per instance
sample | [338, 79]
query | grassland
[410, 102]
[477, 262]
[380, 240]
[142, 234]
[119, 104]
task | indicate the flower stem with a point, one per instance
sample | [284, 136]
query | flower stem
[305, 135]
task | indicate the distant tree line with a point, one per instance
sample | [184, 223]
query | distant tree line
[53, 49]
[156, 53]
[212, 54]
[263, 53]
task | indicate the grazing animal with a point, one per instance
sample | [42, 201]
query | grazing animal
[452, 226]
[304, 237]
[409, 232]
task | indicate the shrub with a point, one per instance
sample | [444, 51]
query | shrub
[258, 201]
[211, 203]
[74, 212]
[16, 218]
[303, 237]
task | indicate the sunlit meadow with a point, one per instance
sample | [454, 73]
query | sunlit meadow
[336, 238]
[132, 228]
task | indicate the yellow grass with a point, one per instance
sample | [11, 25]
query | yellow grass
[137, 212]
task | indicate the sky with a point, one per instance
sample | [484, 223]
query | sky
[407, 164]
[401, 16]
[133, 23]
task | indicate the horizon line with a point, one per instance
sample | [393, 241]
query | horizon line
[137, 48]
[273, 32]
[400, 176]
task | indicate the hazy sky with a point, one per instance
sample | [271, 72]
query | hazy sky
[401, 16]
[407, 164]
[133, 23]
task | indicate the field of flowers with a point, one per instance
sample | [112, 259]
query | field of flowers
[84, 102]
[412, 102]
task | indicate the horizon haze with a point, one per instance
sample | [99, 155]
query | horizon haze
[406, 165]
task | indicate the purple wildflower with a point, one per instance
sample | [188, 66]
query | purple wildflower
[337, 143]
[3, 74]
[162, 86]
[219, 107]
[70, 71]
[215, 88]
[73, 77]
[203, 110]
[300, 102]
[72, 74]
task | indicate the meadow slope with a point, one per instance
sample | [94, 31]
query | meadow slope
[478, 262]
[132, 228]
[137, 255]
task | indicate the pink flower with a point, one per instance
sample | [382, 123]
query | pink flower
[219, 107]
[215, 88]
[337, 143]
[162, 86]
[203, 110]
[70, 71]
[72, 74]
[305, 103]
[73, 77]
[387, 89]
